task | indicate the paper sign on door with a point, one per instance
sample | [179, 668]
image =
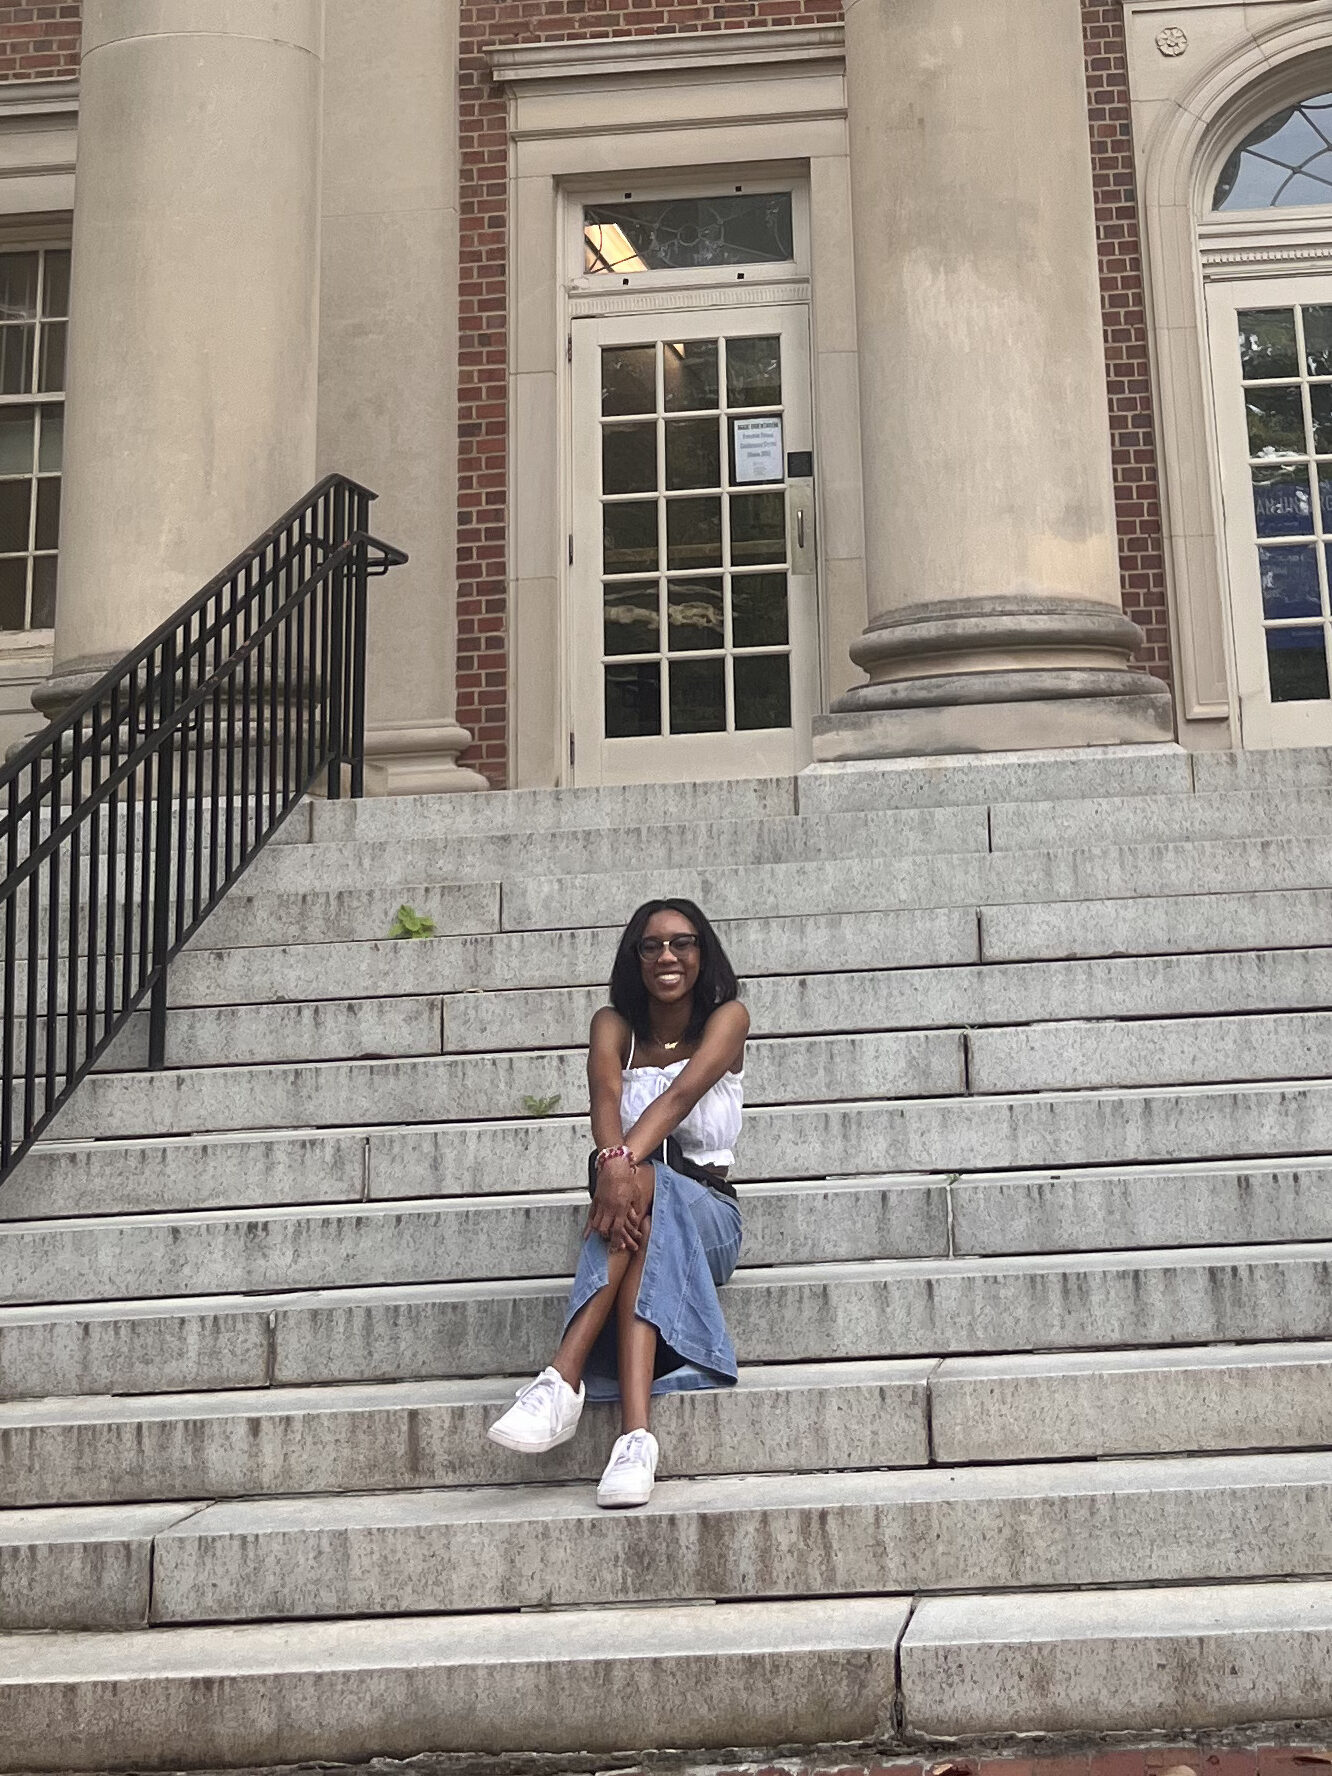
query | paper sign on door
[758, 450]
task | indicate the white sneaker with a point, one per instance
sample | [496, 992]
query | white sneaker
[630, 1472]
[546, 1414]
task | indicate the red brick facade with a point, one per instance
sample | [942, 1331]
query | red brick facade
[483, 493]
[39, 42]
[1133, 444]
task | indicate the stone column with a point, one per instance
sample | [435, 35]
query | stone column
[995, 616]
[194, 324]
[388, 411]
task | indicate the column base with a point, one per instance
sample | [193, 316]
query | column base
[418, 758]
[995, 712]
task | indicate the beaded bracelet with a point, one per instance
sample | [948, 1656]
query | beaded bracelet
[608, 1153]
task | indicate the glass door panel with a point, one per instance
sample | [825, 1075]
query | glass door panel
[1272, 375]
[692, 623]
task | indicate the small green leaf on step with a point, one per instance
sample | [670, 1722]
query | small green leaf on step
[409, 923]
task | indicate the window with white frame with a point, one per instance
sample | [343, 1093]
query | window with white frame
[34, 310]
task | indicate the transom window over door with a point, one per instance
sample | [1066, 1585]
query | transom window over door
[693, 579]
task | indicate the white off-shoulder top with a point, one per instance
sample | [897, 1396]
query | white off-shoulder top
[707, 1136]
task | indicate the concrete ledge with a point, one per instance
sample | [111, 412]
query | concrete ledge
[704, 1677]
[1050, 1406]
[432, 1433]
[88, 1568]
[750, 1536]
[1118, 1661]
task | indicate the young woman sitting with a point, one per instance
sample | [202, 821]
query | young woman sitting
[666, 1073]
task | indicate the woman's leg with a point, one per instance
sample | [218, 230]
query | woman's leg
[583, 1329]
[637, 1345]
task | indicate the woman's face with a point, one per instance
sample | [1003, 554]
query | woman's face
[668, 977]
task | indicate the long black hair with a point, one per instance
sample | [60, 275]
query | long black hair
[716, 984]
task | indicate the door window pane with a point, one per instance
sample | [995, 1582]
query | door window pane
[689, 375]
[1290, 582]
[630, 618]
[693, 534]
[759, 610]
[629, 458]
[1318, 339]
[1297, 665]
[1281, 502]
[698, 696]
[629, 379]
[693, 454]
[758, 528]
[1267, 342]
[763, 691]
[633, 701]
[695, 614]
[754, 372]
[1320, 409]
[630, 537]
[1276, 421]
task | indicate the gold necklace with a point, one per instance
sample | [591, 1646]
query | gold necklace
[668, 1046]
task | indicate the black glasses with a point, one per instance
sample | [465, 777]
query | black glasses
[682, 947]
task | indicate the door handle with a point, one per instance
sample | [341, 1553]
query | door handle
[801, 506]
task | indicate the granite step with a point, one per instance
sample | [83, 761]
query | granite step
[783, 1314]
[1154, 1660]
[456, 1240]
[737, 1536]
[1282, 1124]
[394, 1436]
[333, 1094]
[705, 1676]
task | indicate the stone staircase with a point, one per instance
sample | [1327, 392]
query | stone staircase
[1034, 1433]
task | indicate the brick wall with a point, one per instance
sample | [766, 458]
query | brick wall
[1137, 490]
[39, 42]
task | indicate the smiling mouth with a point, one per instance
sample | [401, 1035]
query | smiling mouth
[668, 977]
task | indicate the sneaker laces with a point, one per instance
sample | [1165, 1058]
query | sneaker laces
[541, 1392]
[630, 1450]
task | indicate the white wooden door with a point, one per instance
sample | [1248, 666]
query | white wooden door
[692, 579]
[1271, 352]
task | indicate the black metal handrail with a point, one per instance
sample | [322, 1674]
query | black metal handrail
[125, 822]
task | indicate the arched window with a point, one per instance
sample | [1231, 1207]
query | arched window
[1285, 162]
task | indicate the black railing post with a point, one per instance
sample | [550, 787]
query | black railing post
[166, 758]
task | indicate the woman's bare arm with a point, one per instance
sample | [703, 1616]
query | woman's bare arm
[607, 1050]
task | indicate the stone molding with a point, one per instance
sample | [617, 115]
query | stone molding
[38, 137]
[618, 58]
